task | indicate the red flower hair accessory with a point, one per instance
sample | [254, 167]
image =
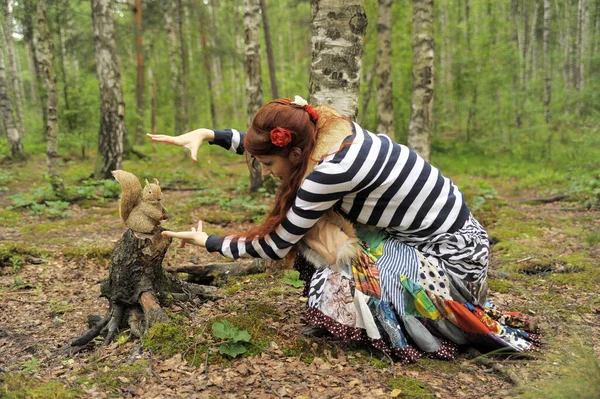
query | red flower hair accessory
[280, 137]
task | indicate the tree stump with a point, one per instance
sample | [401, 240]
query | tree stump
[137, 287]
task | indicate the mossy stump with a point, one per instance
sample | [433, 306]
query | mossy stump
[137, 287]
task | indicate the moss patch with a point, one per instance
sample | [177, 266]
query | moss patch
[500, 286]
[17, 249]
[166, 338]
[410, 388]
[92, 252]
[19, 386]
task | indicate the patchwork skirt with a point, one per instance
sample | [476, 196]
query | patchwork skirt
[410, 301]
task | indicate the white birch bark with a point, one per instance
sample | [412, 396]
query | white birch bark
[253, 72]
[421, 117]
[385, 104]
[338, 29]
[112, 108]
[13, 71]
[45, 56]
[7, 117]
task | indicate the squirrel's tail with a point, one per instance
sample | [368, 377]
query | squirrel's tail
[131, 192]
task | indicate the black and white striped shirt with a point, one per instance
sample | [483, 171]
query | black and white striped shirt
[373, 181]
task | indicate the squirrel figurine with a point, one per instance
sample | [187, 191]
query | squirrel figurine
[140, 209]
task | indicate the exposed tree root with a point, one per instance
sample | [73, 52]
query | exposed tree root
[137, 287]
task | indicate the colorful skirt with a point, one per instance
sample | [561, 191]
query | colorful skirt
[408, 303]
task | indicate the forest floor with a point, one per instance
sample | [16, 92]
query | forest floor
[545, 262]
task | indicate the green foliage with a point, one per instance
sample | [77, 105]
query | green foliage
[234, 337]
[292, 277]
[586, 189]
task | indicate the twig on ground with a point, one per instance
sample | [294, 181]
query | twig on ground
[152, 368]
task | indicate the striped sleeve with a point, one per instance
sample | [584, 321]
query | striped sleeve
[312, 201]
[230, 139]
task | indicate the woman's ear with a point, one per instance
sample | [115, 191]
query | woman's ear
[294, 155]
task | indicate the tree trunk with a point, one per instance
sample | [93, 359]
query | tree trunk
[253, 73]
[136, 287]
[139, 86]
[578, 64]
[112, 108]
[6, 114]
[45, 55]
[517, 73]
[206, 54]
[529, 60]
[385, 100]
[61, 12]
[175, 65]
[547, 66]
[421, 117]
[338, 30]
[184, 66]
[13, 71]
[369, 78]
[269, 44]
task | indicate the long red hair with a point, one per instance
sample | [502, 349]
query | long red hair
[305, 129]
[281, 113]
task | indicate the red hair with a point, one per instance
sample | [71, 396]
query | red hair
[281, 113]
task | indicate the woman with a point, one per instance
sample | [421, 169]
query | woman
[388, 244]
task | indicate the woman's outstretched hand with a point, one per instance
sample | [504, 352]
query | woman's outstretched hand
[191, 140]
[195, 237]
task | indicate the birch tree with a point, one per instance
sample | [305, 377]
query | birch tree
[45, 56]
[13, 71]
[338, 30]
[112, 108]
[385, 103]
[169, 11]
[7, 117]
[419, 130]
[253, 72]
[269, 45]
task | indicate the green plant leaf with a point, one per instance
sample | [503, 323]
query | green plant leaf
[241, 335]
[232, 349]
[223, 329]
[292, 277]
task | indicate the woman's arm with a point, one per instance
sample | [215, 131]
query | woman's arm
[230, 139]
[314, 198]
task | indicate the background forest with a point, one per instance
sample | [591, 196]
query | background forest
[515, 123]
[492, 73]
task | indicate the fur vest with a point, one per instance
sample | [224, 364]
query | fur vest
[332, 241]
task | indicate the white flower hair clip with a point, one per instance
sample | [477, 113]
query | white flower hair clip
[299, 101]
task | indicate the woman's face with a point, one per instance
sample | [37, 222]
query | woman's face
[276, 165]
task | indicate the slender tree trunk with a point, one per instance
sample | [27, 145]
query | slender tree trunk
[547, 66]
[62, 12]
[13, 71]
[421, 117]
[577, 64]
[184, 65]
[152, 101]
[269, 44]
[112, 108]
[530, 59]
[338, 30]
[206, 58]
[369, 79]
[215, 43]
[517, 73]
[46, 59]
[6, 115]
[385, 103]
[33, 91]
[139, 86]
[253, 72]
[175, 65]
